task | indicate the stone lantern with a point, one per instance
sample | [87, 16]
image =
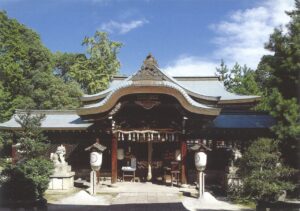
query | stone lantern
[200, 164]
[96, 160]
[200, 161]
[96, 151]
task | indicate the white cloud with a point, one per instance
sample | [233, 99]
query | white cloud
[240, 39]
[189, 65]
[122, 27]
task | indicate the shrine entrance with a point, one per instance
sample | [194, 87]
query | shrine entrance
[150, 121]
[149, 136]
[156, 153]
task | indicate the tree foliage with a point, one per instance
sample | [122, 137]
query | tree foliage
[26, 72]
[264, 176]
[240, 80]
[279, 76]
[31, 140]
[277, 80]
[29, 177]
[26, 181]
[63, 63]
[94, 71]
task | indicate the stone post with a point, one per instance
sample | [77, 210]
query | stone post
[93, 181]
[201, 184]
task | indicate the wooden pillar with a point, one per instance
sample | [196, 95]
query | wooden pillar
[114, 167]
[183, 149]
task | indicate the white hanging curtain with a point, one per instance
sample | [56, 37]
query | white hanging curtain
[147, 135]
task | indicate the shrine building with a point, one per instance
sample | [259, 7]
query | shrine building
[158, 120]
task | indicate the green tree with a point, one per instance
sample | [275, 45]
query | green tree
[278, 75]
[277, 80]
[25, 181]
[29, 177]
[264, 176]
[4, 103]
[63, 63]
[94, 71]
[31, 140]
[239, 80]
[282, 69]
[26, 72]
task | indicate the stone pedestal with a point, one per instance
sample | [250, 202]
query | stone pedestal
[62, 178]
[232, 178]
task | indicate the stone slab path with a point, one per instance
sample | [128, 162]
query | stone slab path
[146, 198]
[135, 197]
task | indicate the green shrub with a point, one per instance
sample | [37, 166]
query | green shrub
[26, 181]
[263, 175]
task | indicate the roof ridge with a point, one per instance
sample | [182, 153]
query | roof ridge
[71, 111]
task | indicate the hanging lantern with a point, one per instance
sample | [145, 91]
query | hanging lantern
[163, 137]
[129, 137]
[120, 154]
[178, 155]
[151, 136]
[209, 143]
[173, 137]
[158, 136]
[123, 137]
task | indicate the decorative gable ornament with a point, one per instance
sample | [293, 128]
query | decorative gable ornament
[149, 71]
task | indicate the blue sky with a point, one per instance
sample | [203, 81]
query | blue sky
[187, 37]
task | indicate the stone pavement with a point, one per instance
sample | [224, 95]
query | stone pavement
[136, 196]
[146, 198]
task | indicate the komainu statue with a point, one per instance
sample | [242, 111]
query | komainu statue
[59, 156]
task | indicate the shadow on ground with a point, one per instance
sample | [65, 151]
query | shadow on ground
[119, 207]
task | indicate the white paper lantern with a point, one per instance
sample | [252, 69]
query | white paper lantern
[120, 154]
[178, 155]
[200, 160]
[96, 160]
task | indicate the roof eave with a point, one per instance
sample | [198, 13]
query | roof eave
[238, 101]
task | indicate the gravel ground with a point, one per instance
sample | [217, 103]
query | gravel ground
[209, 202]
[84, 198]
[135, 196]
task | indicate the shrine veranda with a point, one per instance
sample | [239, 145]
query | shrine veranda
[160, 120]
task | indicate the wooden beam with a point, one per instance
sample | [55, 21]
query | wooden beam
[114, 166]
[183, 149]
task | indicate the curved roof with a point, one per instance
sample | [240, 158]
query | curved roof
[158, 87]
[69, 120]
[54, 120]
[189, 91]
[204, 85]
